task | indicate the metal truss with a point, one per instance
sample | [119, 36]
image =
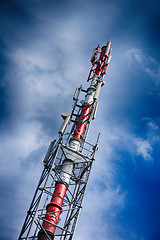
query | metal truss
[79, 157]
[73, 198]
[72, 203]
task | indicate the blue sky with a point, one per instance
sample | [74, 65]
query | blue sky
[45, 49]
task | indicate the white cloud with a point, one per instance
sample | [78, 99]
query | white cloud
[136, 57]
[18, 145]
[117, 138]
[28, 60]
[100, 209]
[152, 125]
[135, 54]
[154, 73]
[144, 149]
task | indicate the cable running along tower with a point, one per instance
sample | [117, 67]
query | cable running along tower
[68, 163]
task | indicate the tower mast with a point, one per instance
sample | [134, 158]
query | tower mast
[68, 163]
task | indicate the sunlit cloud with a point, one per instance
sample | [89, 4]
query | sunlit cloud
[137, 57]
[144, 149]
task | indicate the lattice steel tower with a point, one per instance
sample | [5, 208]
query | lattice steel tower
[67, 163]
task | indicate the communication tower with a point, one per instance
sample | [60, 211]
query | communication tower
[68, 163]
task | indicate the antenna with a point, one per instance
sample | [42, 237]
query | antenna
[68, 163]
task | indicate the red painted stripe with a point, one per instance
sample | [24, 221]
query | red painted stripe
[54, 208]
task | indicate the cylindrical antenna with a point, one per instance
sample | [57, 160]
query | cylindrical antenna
[97, 90]
[64, 125]
[75, 96]
[93, 55]
[108, 46]
[95, 110]
[49, 151]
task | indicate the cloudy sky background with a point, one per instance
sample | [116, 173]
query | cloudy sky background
[45, 49]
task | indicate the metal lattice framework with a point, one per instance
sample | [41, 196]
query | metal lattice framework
[68, 163]
[51, 174]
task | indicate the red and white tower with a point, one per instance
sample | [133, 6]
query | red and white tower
[67, 163]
